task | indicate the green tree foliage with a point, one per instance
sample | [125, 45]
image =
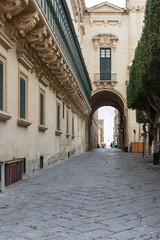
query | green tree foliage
[141, 117]
[143, 92]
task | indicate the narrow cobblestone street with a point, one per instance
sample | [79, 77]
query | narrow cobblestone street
[102, 194]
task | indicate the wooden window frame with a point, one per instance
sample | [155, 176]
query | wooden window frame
[73, 126]
[4, 116]
[67, 124]
[105, 56]
[63, 110]
[58, 131]
[22, 99]
[42, 125]
[25, 78]
[2, 62]
[41, 107]
[58, 108]
[23, 122]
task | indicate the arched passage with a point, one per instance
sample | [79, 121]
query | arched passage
[114, 99]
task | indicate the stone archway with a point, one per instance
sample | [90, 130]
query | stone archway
[110, 97]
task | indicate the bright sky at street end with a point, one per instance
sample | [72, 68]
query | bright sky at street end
[107, 113]
[120, 3]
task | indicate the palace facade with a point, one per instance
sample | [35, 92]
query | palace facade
[111, 36]
[49, 52]
[45, 90]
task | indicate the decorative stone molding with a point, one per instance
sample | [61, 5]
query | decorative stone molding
[42, 128]
[44, 81]
[23, 123]
[105, 39]
[59, 95]
[38, 50]
[5, 40]
[67, 135]
[22, 24]
[4, 116]
[21, 56]
[106, 22]
[68, 106]
[104, 84]
[10, 8]
[1, 24]
[58, 133]
[82, 29]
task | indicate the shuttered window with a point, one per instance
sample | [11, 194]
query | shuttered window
[41, 108]
[58, 116]
[22, 98]
[73, 126]
[105, 64]
[63, 110]
[1, 85]
[67, 127]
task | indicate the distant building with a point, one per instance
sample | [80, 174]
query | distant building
[100, 131]
[111, 36]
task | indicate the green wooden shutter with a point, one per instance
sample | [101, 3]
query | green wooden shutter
[72, 126]
[41, 108]
[22, 98]
[1, 85]
[63, 110]
[67, 124]
[105, 64]
[58, 117]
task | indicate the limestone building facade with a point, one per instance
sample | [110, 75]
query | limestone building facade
[45, 90]
[100, 131]
[108, 46]
[46, 109]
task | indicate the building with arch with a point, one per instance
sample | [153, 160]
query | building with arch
[108, 46]
[47, 102]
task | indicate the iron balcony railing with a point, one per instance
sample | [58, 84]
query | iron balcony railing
[59, 17]
[105, 77]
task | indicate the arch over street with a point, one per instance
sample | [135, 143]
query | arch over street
[109, 97]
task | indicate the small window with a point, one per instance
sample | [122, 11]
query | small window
[22, 98]
[77, 126]
[63, 110]
[1, 84]
[41, 162]
[67, 123]
[23, 166]
[41, 108]
[58, 117]
[72, 125]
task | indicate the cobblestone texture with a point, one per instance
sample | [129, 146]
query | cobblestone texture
[102, 194]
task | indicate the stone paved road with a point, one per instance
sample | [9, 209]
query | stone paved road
[102, 194]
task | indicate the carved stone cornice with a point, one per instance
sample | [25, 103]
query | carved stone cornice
[21, 56]
[38, 50]
[10, 8]
[5, 40]
[44, 81]
[22, 24]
